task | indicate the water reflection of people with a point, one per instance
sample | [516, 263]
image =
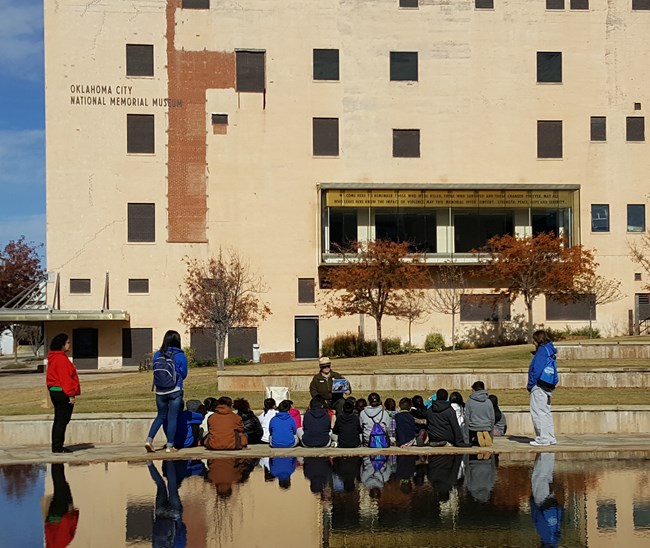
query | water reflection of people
[168, 527]
[62, 516]
[545, 509]
[318, 470]
[481, 476]
[223, 473]
[282, 468]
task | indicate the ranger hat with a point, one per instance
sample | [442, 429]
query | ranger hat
[324, 362]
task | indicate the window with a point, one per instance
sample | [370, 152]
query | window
[413, 225]
[578, 310]
[139, 60]
[484, 4]
[579, 4]
[636, 218]
[136, 345]
[140, 134]
[219, 124]
[138, 285]
[635, 128]
[473, 228]
[409, 3]
[196, 4]
[641, 515]
[637, 106]
[549, 138]
[343, 225]
[306, 290]
[598, 128]
[241, 341]
[549, 67]
[600, 217]
[141, 222]
[403, 66]
[484, 308]
[406, 143]
[79, 285]
[606, 514]
[637, 277]
[554, 4]
[326, 64]
[325, 136]
[641, 5]
[250, 71]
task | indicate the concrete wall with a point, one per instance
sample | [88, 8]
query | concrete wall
[603, 351]
[133, 427]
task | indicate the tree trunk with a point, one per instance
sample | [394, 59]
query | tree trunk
[14, 333]
[453, 332]
[380, 350]
[220, 341]
[529, 308]
[410, 324]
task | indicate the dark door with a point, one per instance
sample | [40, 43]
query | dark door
[241, 341]
[137, 345]
[306, 337]
[85, 348]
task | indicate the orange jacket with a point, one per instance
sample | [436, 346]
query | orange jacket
[222, 426]
[62, 373]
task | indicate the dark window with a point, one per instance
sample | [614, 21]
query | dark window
[598, 128]
[137, 345]
[577, 310]
[326, 64]
[579, 4]
[203, 342]
[141, 223]
[484, 308]
[545, 220]
[80, 285]
[306, 290]
[472, 229]
[636, 218]
[549, 139]
[406, 143]
[139, 60]
[241, 341]
[409, 3]
[600, 217]
[138, 285]
[549, 67]
[140, 134]
[641, 4]
[325, 136]
[606, 514]
[250, 71]
[637, 277]
[342, 228]
[196, 4]
[415, 226]
[404, 65]
[484, 4]
[85, 347]
[641, 515]
[637, 106]
[554, 4]
[219, 119]
[635, 129]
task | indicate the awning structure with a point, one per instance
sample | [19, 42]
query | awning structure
[9, 315]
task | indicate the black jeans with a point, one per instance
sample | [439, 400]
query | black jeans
[62, 413]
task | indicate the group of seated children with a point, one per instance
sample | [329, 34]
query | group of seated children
[443, 419]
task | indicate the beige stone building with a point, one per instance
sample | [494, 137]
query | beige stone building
[282, 129]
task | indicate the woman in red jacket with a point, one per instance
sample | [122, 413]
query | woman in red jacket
[63, 385]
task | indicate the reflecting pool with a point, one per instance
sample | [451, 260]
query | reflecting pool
[435, 500]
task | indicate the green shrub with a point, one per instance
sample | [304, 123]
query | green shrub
[236, 360]
[409, 348]
[202, 363]
[434, 342]
[347, 345]
[392, 346]
[190, 354]
[573, 333]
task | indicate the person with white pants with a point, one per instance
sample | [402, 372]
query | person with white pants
[540, 391]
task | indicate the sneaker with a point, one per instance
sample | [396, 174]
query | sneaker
[169, 449]
[540, 444]
[149, 447]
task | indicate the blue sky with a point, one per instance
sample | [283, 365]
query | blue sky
[22, 121]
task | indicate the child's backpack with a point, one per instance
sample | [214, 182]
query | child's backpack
[549, 373]
[164, 372]
[378, 436]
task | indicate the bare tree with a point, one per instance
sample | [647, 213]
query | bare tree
[414, 308]
[222, 293]
[30, 334]
[640, 254]
[449, 287]
[602, 290]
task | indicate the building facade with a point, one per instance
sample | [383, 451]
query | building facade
[175, 128]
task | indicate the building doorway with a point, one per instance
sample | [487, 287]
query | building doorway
[85, 348]
[306, 336]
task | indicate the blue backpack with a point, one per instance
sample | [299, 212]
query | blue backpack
[164, 372]
[549, 373]
[378, 437]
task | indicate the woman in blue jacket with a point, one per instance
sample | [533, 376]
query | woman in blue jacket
[540, 390]
[169, 399]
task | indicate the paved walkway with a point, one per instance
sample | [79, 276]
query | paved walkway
[593, 445]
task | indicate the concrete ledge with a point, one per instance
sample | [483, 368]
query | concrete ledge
[602, 351]
[125, 428]
[423, 381]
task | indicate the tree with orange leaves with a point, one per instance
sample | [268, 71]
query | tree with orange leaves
[370, 280]
[537, 265]
[219, 294]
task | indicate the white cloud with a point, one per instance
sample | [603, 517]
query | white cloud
[22, 160]
[21, 28]
[32, 226]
